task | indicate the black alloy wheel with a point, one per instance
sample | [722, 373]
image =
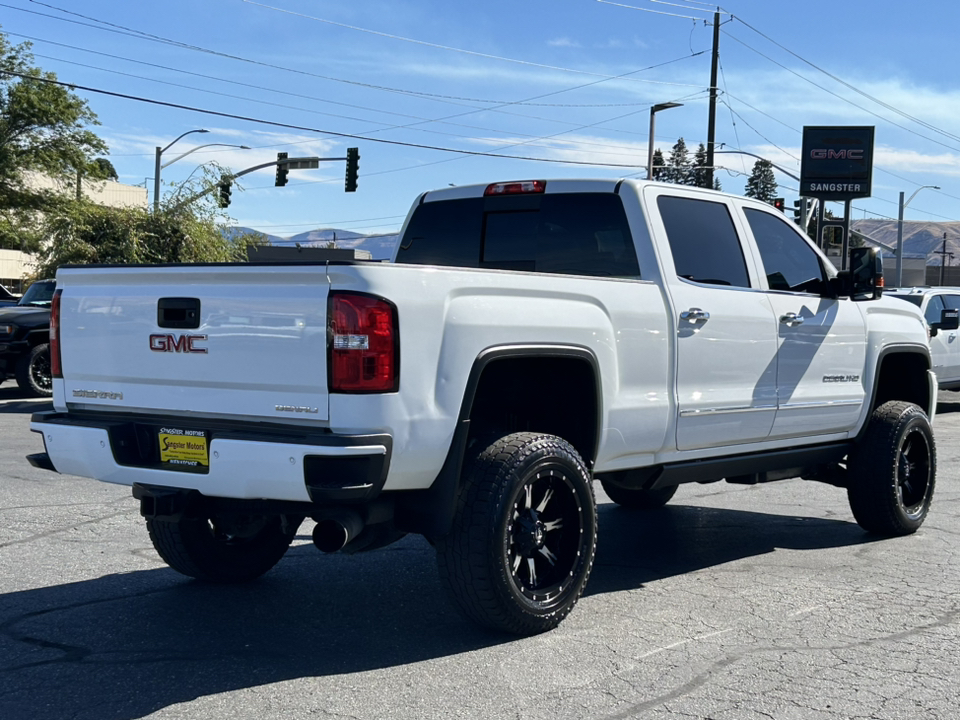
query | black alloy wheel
[524, 534]
[892, 471]
[540, 555]
[34, 373]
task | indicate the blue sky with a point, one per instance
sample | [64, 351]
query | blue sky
[550, 80]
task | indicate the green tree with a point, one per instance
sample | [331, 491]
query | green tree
[106, 169]
[43, 129]
[761, 184]
[678, 169]
[657, 168]
[83, 232]
[701, 172]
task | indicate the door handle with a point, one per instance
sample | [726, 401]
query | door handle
[695, 315]
[791, 319]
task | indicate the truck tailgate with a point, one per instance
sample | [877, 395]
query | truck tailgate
[257, 348]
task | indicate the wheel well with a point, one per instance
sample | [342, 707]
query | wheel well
[555, 395]
[38, 337]
[903, 376]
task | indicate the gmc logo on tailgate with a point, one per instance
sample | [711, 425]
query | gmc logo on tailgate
[177, 343]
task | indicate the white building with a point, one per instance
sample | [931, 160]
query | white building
[15, 265]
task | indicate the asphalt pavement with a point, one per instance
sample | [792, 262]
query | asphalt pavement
[733, 602]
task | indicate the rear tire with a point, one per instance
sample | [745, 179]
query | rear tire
[220, 550]
[893, 470]
[636, 498]
[33, 371]
[524, 535]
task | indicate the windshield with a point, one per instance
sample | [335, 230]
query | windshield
[40, 294]
[915, 299]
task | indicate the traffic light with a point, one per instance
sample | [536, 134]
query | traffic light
[779, 204]
[225, 187]
[282, 170]
[353, 165]
[798, 211]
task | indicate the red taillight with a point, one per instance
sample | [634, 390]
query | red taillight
[520, 187]
[364, 349]
[56, 368]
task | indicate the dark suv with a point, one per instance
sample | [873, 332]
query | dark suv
[7, 297]
[25, 340]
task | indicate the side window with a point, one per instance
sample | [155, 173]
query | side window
[704, 241]
[788, 261]
[934, 308]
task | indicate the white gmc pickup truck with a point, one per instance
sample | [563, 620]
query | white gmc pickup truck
[528, 338]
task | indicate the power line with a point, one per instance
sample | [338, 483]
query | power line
[771, 142]
[132, 32]
[837, 95]
[446, 47]
[657, 12]
[123, 30]
[855, 89]
[303, 128]
[610, 149]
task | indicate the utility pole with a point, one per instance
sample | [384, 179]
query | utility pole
[712, 121]
[943, 257]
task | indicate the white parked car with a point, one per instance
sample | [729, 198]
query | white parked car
[941, 309]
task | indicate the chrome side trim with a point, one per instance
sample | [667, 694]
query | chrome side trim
[764, 408]
[728, 410]
[826, 404]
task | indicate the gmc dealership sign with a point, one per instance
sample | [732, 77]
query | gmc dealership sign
[837, 162]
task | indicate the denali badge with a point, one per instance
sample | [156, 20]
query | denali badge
[297, 409]
[98, 394]
[180, 344]
[841, 378]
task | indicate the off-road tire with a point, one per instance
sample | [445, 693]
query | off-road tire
[524, 535]
[33, 371]
[638, 499]
[197, 548]
[892, 471]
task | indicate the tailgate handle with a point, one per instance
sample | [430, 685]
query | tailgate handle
[178, 313]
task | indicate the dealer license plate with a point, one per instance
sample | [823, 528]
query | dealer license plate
[187, 449]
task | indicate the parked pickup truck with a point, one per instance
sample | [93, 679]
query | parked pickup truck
[528, 338]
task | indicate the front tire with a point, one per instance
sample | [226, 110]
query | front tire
[524, 535]
[223, 549]
[33, 371]
[892, 471]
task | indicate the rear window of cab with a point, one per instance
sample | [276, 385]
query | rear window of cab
[564, 233]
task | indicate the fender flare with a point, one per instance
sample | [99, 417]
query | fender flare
[431, 511]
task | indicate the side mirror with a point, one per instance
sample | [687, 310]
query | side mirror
[949, 320]
[864, 279]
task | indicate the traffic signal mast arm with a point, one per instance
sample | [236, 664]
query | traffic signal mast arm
[301, 163]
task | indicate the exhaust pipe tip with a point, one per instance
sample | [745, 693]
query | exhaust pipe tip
[333, 532]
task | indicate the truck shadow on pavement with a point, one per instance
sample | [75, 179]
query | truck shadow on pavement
[638, 547]
[15, 400]
[126, 645]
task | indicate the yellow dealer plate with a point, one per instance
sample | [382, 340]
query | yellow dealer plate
[186, 448]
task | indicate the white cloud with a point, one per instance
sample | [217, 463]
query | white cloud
[563, 42]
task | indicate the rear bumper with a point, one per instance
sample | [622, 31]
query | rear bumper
[246, 460]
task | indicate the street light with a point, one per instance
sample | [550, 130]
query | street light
[903, 206]
[653, 111]
[156, 170]
[198, 147]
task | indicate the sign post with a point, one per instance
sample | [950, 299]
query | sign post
[837, 164]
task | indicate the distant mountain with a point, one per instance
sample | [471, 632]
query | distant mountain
[922, 238]
[236, 230]
[380, 247]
